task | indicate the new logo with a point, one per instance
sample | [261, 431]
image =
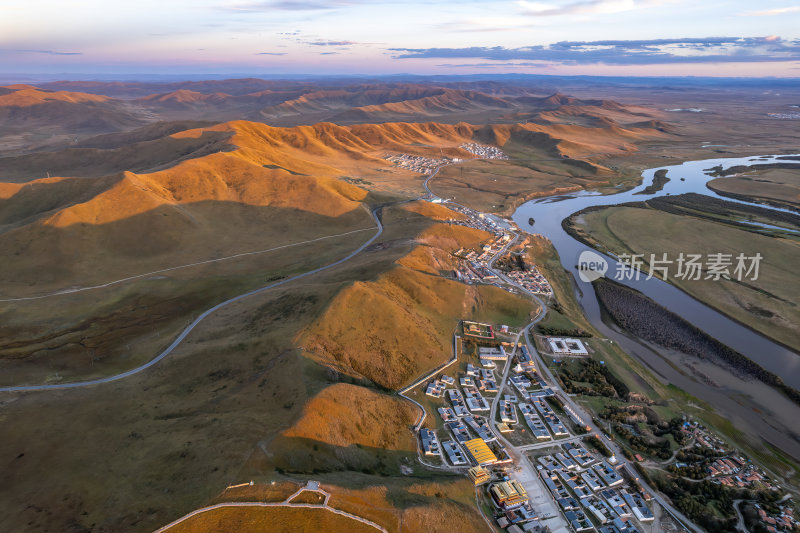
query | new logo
[591, 266]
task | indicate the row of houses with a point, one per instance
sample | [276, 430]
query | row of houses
[534, 422]
[568, 504]
[557, 428]
[532, 280]
[587, 486]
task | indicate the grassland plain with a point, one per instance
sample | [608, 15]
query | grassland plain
[669, 400]
[136, 454]
[164, 442]
[107, 330]
[779, 186]
[768, 304]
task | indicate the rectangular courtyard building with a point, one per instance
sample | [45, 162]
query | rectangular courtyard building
[479, 452]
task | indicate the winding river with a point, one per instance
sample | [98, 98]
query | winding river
[690, 177]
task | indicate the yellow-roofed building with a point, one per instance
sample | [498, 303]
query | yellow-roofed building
[479, 475]
[480, 452]
[508, 494]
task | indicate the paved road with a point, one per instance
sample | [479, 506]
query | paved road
[525, 472]
[740, 523]
[428, 179]
[193, 325]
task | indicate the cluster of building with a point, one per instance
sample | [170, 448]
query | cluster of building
[535, 411]
[472, 442]
[476, 330]
[532, 280]
[426, 165]
[430, 442]
[731, 469]
[474, 266]
[545, 413]
[511, 498]
[483, 151]
[589, 488]
[476, 219]
[526, 380]
[466, 407]
[703, 437]
[783, 521]
[418, 163]
[471, 272]
[790, 116]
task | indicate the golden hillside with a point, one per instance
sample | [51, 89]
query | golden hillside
[27, 95]
[417, 309]
[433, 506]
[110, 227]
[344, 415]
[208, 184]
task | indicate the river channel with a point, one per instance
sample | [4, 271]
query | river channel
[690, 177]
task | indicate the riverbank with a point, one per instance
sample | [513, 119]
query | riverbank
[753, 416]
[645, 319]
[757, 416]
[674, 225]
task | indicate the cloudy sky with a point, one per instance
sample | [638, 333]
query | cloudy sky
[598, 37]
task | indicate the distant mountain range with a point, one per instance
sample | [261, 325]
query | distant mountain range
[65, 114]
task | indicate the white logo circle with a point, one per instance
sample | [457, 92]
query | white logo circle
[591, 266]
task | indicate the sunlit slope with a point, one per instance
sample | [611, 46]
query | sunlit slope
[346, 427]
[66, 231]
[327, 148]
[380, 334]
[207, 189]
[259, 519]
[407, 506]
[416, 309]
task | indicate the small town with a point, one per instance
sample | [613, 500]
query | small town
[474, 266]
[500, 422]
[428, 165]
[498, 414]
[484, 151]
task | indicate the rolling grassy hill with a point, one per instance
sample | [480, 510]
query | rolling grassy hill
[417, 308]
[214, 191]
[240, 401]
[292, 383]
